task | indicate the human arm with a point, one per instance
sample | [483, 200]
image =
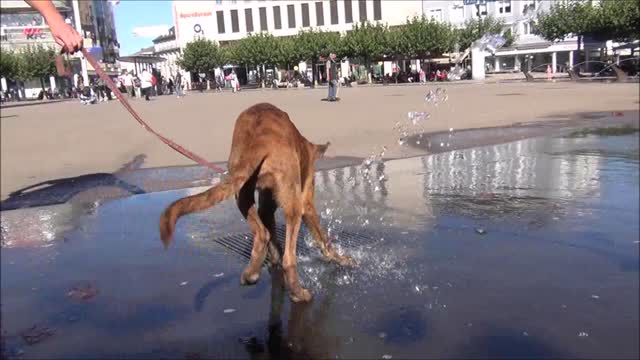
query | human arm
[65, 35]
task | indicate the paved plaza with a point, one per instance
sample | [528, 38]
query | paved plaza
[65, 139]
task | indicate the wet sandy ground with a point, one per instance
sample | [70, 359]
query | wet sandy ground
[525, 249]
[66, 140]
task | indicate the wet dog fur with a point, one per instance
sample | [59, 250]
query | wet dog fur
[269, 154]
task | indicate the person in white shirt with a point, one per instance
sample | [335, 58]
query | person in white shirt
[145, 83]
[127, 79]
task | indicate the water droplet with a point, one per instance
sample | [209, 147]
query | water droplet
[387, 356]
[376, 189]
[450, 129]
[595, 297]
[184, 283]
[229, 311]
[401, 141]
[219, 274]
[524, 333]
[441, 144]
[583, 334]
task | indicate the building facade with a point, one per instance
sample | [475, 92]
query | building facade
[166, 46]
[529, 51]
[230, 20]
[21, 26]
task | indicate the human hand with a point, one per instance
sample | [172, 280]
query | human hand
[66, 36]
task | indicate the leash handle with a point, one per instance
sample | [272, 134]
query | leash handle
[189, 154]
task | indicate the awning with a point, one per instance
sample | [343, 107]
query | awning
[142, 59]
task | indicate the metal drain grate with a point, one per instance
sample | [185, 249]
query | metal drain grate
[241, 244]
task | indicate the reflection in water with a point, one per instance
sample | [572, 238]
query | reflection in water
[524, 169]
[304, 336]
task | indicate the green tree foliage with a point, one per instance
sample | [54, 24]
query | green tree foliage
[256, 49]
[201, 56]
[474, 29]
[311, 45]
[367, 42]
[286, 55]
[617, 20]
[8, 64]
[425, 37]
[36, 62]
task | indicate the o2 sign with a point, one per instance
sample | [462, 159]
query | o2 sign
[197, 28]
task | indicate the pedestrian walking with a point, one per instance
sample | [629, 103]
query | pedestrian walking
[179, 84]
[332, 77]
[146, 83]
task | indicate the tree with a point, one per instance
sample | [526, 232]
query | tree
[8, 64]
[286, 52]
[36, 62]
[201, 56]
[474, 29]
[312, 44]
[367, 41]
[424, 37]
[256, 49]
[617, 20]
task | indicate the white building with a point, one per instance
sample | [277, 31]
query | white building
[229, 20]
[514, 13]
[166, 46]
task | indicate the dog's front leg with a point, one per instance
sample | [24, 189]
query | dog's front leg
[312, 222]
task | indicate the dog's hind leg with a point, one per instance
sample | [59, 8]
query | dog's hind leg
[312, 222]
[246, 204]
[267, 212]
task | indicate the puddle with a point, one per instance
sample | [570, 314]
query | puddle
[559, 224]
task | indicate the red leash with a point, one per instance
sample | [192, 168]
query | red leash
[135, 115]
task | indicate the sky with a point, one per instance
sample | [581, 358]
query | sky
[136, 13]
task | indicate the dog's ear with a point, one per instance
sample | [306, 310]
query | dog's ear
[321, 149]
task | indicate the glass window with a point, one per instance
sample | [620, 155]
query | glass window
[319, 14]
[248, 17]
[377, 10]
[348, 12]
[333, 8]
[220, 18]
[362, 9]
[305, 15]
[235, 26]
[291, 14]
[263, 18]
[277, 19]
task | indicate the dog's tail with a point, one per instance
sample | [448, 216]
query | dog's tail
[202, 201]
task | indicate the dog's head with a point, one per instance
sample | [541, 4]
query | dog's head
[321, 149]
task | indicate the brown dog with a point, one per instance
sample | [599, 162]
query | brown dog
[269, 154]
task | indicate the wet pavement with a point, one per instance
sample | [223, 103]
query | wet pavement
[523, 249]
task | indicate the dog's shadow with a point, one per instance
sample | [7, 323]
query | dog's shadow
[59, 191]
[305, 336]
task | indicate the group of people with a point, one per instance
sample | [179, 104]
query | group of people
[149, 84]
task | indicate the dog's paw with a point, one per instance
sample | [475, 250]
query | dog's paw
[248, 278]
[346, 261]
[302, 295]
